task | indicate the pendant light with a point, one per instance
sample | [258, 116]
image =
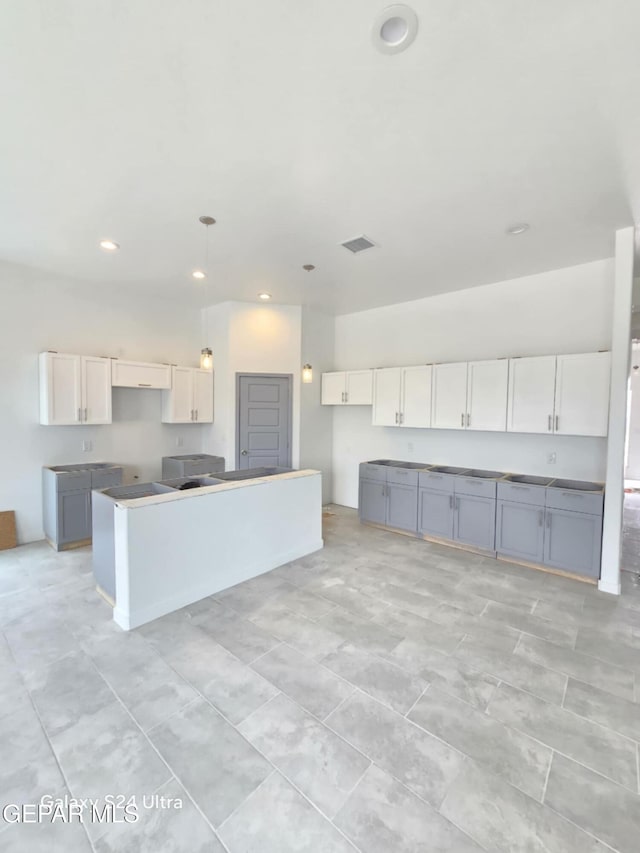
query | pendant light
[202, 273]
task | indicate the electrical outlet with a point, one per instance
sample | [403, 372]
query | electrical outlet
[179, 441]
[551, 458]
[87, 445]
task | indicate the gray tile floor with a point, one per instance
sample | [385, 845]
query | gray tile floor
[631, 532]
[384, 695]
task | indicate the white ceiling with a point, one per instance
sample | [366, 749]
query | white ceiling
[130, 118]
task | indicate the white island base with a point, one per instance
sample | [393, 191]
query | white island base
[174, 549]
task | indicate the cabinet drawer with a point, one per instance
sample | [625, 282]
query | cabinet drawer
[437, 482]
[73, 481]
[373, 472]
[517, 493]
[576, 501]
[402, 476]
[138, 374]
[474, 486]
[106, 479]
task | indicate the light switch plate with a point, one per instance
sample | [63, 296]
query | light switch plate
[179, 441]
[87, 445]
[552, 458]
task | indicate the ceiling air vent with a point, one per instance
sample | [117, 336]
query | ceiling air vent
[358, 244]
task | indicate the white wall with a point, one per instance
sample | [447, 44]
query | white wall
[632, 469]
[562, 311]
[248, 338]
[316, 421]
[38, 312]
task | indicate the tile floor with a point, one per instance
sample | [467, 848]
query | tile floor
[631, 532]
[384, 695]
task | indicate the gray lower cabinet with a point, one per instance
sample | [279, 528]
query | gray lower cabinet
[474, 521]
[435, 513]
[520, 531]
[372, 505]
[74, 516]
[402, 506]
[573, 541]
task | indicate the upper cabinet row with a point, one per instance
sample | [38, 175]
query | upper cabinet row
[347, 388]
[76, 389]
[562, 395]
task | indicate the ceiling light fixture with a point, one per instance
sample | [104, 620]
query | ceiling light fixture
[308, 267]
[264, 296]
[202, 273]
[520, 228]
[394, 29]
[109, 245]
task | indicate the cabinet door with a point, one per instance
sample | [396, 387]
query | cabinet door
[74, 516]
[373, 501]
[96, 390]
[203, 396]
[386, 396]
[435, 513]
[333, 389]
[449, 396]
[402, 507]
[177, 404]
[60, 389]
[359, 387]
[140, 374]
[532, 383]
[572, 541]
[474, 521]
[520, 531]
[487, 395]
[582, 394]
[416, 396]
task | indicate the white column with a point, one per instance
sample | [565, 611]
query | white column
[620, 350]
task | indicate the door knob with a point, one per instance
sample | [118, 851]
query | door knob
[244, 452]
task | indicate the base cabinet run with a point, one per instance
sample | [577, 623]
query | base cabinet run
[435, 517]
[520, 531]
[391, 504]
[474, 521]
[573, 541]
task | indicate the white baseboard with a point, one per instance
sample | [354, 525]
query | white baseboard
[612, 589]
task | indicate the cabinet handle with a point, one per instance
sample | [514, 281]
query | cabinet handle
[346, 396]
[85, 415]
[450, 501]
[144, 385]
[540, 518]
[80, 415]
[548, 514]
[549, 424]
[468, 419]
[462, 419]
[342, 397]
[401, 417]
[396, 417]
[457, 504]
[557, 422]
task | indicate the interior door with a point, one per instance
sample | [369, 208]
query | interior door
[386, 396]
[449, 395]
[487, 395]
[264, 421]
[582, 394]
[416, 396]
[96, 385]
[203, 396]
[532, 383]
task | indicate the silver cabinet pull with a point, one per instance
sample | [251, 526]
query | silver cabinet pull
[396, 417]
[549, 424]
[468, 419]
[548, 514]
[540, 518]
[450, 501]
[462, 419]
[401, 417]
[80, 415]
[144, 385]
[557, 422]
[346, 396]
[85, 414]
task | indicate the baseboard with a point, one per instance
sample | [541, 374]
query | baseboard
[611, 588]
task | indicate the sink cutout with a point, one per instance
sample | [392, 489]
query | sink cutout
[577, 486]
[525, 479]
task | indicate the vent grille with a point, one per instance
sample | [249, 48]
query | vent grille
[358, 244]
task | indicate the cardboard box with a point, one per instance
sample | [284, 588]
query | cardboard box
[8, 537]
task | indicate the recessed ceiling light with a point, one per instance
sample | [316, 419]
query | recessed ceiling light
[109, 245]
[308, 267]
[264, 296]
[520, 228]
[198, 274]
[394, 29]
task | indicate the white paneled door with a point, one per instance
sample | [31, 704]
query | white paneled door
[387, 383]
[449, 395]
[416, 396]
[96, 389]
[203, 395]
[333, 388]
[582, 394]
[359, 387]
[532, 383]
[487, 395]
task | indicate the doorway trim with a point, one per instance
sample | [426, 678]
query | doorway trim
[289, 377]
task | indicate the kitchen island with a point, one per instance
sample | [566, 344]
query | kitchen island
[172, 548]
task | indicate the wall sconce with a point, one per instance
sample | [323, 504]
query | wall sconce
[307, 374]
[206, 359]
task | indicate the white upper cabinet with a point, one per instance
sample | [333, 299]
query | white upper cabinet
[487, 388]
[347, 387]
[74, 389]
[387, 391]
[190, 399]
[416, 396]
[582, 394]
[140, 374]
[532, 383]
[449, 396]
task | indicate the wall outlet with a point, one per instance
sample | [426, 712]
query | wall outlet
[179, 441]
[552, 458]
[87, 445]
